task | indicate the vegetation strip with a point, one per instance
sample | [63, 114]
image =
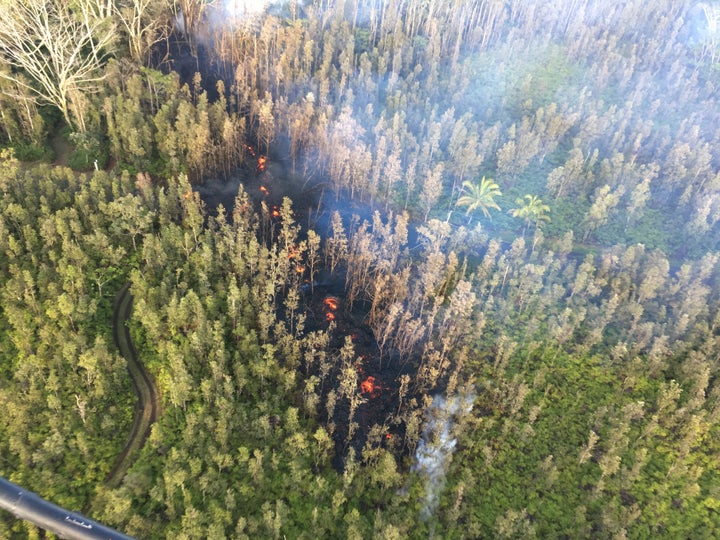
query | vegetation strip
[148, 406]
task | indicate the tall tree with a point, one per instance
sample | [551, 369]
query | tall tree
[480, 196]
[532, 210]
[61, 51]
[190, 13]
[143, 22]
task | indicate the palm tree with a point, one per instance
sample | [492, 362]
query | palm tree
[532, 210]
[480, 196]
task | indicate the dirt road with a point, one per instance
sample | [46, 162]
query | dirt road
[147, 409]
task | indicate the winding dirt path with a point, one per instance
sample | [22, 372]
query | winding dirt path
[147, 409]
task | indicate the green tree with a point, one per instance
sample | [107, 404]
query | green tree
[480, 196]
[531, 209]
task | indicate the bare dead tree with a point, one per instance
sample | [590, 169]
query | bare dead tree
[61, 52]
[145, 23]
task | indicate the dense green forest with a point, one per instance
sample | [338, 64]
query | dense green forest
[464, 281]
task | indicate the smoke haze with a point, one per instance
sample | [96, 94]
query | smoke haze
[437, 445]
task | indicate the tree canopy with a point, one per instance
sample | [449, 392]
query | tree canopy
[304, 334]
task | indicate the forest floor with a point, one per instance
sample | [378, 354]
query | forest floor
[147, 409]
[61, 148]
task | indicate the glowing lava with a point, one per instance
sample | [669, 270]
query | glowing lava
[370, 386]
[293, 252]
[261, 162]
[331, 304]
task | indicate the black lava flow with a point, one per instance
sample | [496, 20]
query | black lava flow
[378, 382]
[377, 378]
[268, 179]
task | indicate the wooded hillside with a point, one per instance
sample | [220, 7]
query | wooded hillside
[513, 203]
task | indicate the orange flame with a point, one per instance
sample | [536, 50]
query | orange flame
[299, 268]
[369, 386]
[250, 150]
[388, 436]
[264, 190]
[275, 212]
[262, 160]
[331, 304]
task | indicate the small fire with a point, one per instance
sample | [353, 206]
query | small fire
[264, 191]
[250, 150]
[388, 436]
[275, 212]
[331, 304]
[261, 162]
[300, 269]
[370, 386]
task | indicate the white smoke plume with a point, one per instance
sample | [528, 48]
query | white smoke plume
[244, 8]
[248, 9]
[437, 445]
